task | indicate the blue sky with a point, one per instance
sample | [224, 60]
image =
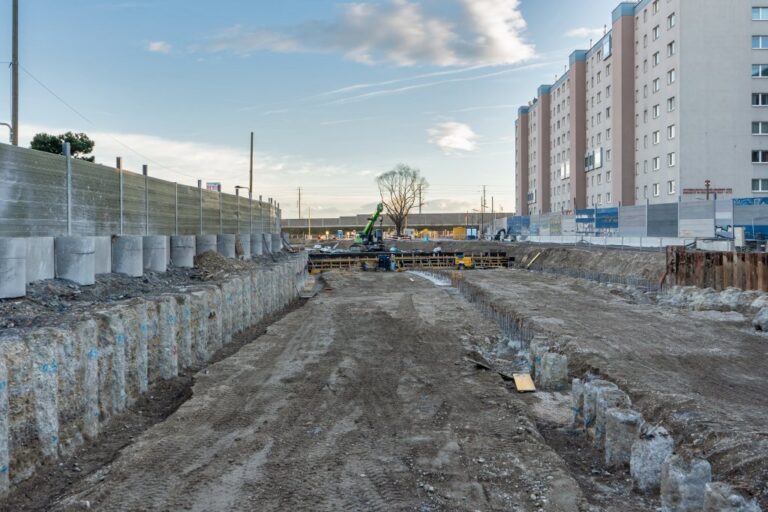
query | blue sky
[335, 92]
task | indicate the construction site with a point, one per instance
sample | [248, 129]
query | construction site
[602, 346]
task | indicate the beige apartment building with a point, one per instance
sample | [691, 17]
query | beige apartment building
[660, 123]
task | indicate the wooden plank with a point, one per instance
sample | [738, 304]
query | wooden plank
[524, 383]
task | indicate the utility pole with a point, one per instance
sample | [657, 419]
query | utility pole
[250, 180]
[309, 223]
[15, 76]
[420, 201]
[482, 213]
[299, 203]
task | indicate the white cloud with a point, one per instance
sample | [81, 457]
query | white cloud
[159, 47]
[586, 33]
[402, 32]
[453, 137]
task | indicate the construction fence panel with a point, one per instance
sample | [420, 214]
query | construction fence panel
[189, 210]
[569, 225]
[134, 211]
[95, 199]
[544, 229]
[697, 219]
[162, 206]
[662, 220]
[633, 221]
[723, 216]
[229, 213]
[752, 215]
[555, 224]
[585, 221]
[519, 225]
[534, 228]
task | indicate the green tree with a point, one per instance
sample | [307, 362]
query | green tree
[80, 144]
[400, 190]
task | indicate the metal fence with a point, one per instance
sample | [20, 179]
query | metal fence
[34, 201]
[683, 219]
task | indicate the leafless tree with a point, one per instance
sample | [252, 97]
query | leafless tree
[401, 189]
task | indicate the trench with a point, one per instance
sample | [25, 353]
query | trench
[73, 394]
[609, 490]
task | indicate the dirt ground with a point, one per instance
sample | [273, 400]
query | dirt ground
[702, 374]
[363, 399]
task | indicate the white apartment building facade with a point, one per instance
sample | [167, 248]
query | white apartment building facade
[676, 106]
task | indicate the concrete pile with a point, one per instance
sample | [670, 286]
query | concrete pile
[60, 385]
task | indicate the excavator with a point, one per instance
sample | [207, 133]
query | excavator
[370, 239]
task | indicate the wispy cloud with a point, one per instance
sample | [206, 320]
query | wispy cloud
[586, 33]
[398, 90]
[401, 32]
[159, 47]
[453, 137]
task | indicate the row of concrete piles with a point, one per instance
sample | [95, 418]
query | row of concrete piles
[604, 413]
[81, 259]
[60, 385]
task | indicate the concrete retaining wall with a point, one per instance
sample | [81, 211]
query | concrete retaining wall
[59, 386]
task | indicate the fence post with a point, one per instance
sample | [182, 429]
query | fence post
[145, 170]
[237, 203]
[250, 210]
[122, 204]
[261, 213]
[221, 221]
[68, 157]
[647, 221]
[200, 189]
[679, 208]
[177, 208]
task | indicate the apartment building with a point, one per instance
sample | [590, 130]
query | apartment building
[522, 144]
[676, 105]
[538, 192]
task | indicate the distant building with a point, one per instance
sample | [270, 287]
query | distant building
[645, 116]
[213, 186]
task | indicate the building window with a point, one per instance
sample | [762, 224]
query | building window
[759, 70]
[671, 104]
[655, 6]
[760, 128]
[656, 59]
[760, 100]
[656, 32]
[760, 13]
[759, 42]
[656, 163]
[657, 84]
[759, 185]
[671, 76]
[760, 157]
[656, 111]
[671, 49]
[607, 198]
[671, 159]
[656, 137]
[671, 132]
[671, 20]
[671, 188]
[608, 176]
[656, 190]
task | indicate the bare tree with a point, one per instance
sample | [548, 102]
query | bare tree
[401, 190]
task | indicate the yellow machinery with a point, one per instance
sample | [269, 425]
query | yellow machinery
[459, 233]
[463, 261]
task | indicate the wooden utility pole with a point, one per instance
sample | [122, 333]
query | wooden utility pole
[15, 76]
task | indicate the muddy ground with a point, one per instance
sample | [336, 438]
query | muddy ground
[702, 374]
[363, 399]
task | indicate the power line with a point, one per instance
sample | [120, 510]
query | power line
[89, 121]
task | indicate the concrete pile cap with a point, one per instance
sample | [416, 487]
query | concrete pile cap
[683, 483]
[13, 268]
[75, 259]
[590, 399]
[648, 454]
[720, 497]
[622, 427]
